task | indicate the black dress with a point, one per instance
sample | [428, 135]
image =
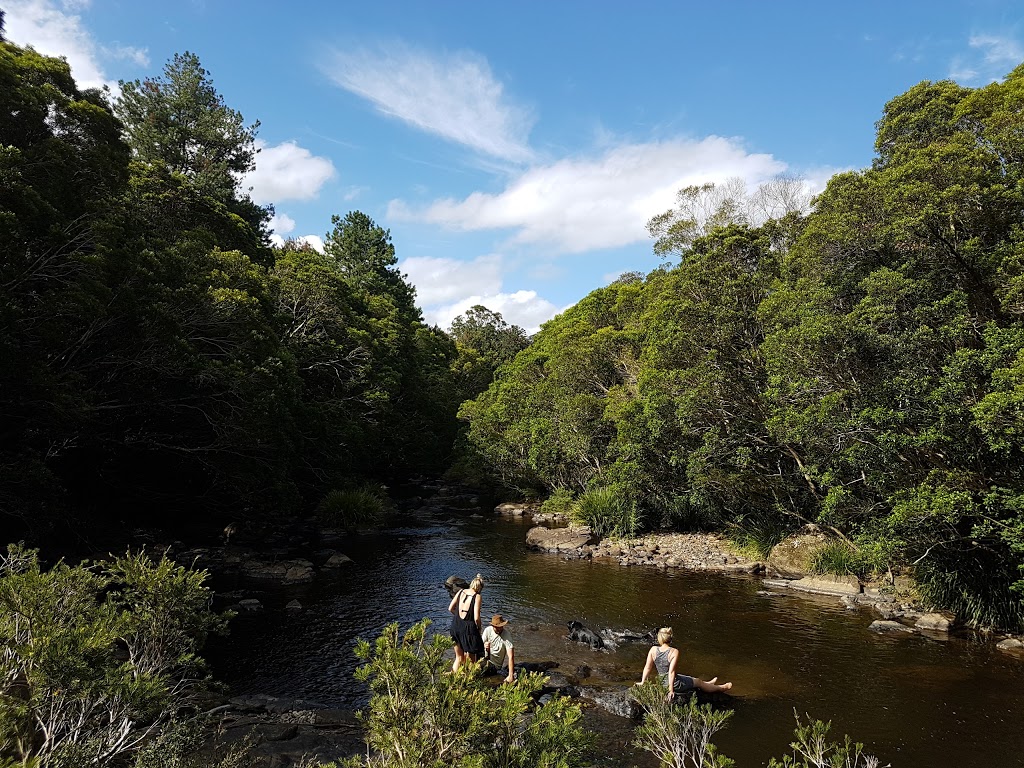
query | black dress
[464, 630]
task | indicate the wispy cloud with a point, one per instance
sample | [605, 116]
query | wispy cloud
[454, 96]
[523, 308]
[576, 205]
[990, 58]
[287, 171]
[138, 56]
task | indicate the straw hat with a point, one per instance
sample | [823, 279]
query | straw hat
[497, 620]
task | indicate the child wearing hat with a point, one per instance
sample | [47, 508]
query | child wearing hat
[498, 645]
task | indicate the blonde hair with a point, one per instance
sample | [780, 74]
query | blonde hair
[477, 584]
[664, 635]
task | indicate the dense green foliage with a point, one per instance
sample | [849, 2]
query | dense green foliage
[422, 715]
[860, 365]
[96, 659]
[156, 354]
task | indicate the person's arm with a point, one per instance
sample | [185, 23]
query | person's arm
[511, 665]
[476, 612]
[648, 666]
[487, 635]
[672, 659]
[455, 599]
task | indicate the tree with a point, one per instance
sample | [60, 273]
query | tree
[485, 343]
[180, 123]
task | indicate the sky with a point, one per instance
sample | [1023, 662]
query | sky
[516, 150]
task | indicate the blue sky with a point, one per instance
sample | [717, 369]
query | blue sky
[516, 150]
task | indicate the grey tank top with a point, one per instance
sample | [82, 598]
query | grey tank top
[661, 663]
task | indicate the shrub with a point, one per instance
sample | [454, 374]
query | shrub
[97, 659]
[606, 513]
[679, 735]
[811, 749]
[352, 507]
[560, 502]
[422, 715]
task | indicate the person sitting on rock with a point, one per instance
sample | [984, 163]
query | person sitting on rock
[663, 657]
[498, 645]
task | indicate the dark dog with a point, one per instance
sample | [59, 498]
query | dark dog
[581, 634]
[454, 583]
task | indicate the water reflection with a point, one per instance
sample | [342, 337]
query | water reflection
[913, 701]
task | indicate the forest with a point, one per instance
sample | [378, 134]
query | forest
[855, 361]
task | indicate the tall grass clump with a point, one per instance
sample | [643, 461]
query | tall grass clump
[976, 587]
[607, 513]
[754, 535]
[353, 507]
[839, 558]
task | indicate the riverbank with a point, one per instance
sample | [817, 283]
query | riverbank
[895, 606]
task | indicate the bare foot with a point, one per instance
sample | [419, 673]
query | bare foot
[713, 680]
[725, 686]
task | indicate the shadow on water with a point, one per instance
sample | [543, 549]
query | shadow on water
[913, 701]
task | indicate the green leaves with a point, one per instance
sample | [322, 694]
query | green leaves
[422, 715]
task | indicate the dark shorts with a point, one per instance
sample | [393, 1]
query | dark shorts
[683, 684]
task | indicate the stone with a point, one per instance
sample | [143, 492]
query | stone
[250, 604]
[337, 560]
[618, 701]
[293, 605]
[792, 557]
[883, 627]
[558, 539]
[934, 622]
[827, 585]
[1010, 644]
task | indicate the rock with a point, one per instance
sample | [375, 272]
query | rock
[581, 634]
[277, 731]
[792, 557]
[884, 627]
[284, 571]
[618, 701]
[582, 671]
[1010, 644]
[934, 622]
[294, 605]
[250, 604]
[885, 610]
[299, 572]
[517, 508]
[561, 684]
[337, 560]
[559, 539]
[827, 585]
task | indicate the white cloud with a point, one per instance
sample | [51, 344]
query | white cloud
[446, 280]
[455, 97]
[576, 205]
[55, 30]
[991, 57]
[315, 240]
[282, 223]
[523, 308]
[287, 171]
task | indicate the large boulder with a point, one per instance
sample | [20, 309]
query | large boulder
[618, 701]
[559, 539]
[792, 557]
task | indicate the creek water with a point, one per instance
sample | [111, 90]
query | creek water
[913, 701]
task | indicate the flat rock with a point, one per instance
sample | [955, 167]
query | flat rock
[1010, 644]
[883, 626]
[934, 622]
[559, 539]
[618, 701]
[827, 585]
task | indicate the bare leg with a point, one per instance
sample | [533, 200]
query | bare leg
[460, 658]
[710, 686]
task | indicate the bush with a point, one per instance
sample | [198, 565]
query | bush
[606, 513]
[679, 735]
[811, 749]
[352, 507]
[422, 715]
[560, 502]
[97, 658]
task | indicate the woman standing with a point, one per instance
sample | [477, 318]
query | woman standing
[663, 657]
[465, 629]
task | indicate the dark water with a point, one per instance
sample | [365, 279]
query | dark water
[913, 701]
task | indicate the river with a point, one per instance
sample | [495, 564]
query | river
[915, 702]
